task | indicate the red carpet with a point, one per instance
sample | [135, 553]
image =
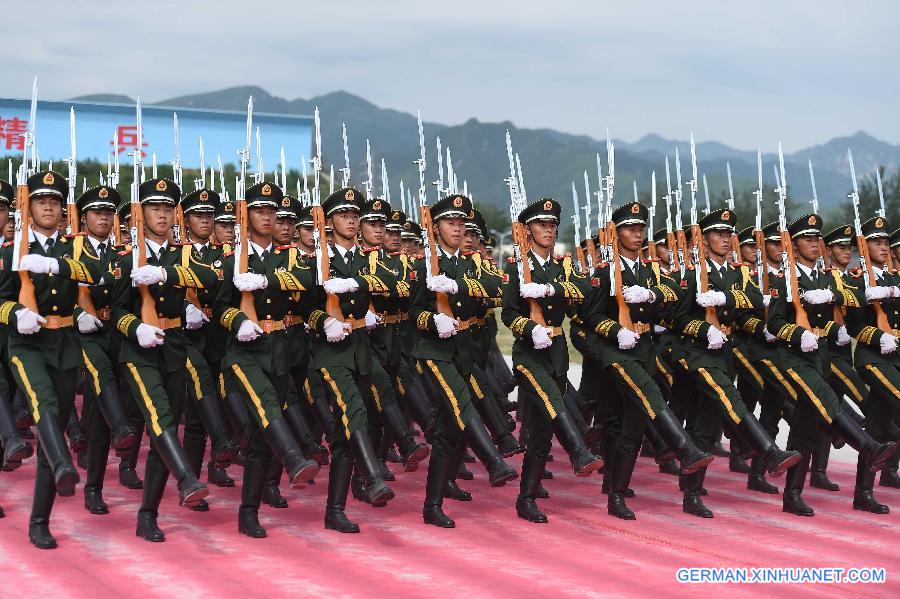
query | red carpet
[581, 552]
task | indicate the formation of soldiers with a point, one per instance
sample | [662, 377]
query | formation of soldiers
[279, 369]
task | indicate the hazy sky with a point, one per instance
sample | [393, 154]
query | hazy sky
[744, 73]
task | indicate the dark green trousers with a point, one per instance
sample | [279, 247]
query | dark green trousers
[455, 407]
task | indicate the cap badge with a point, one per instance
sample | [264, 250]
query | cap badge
[204, 195]
[229, 207]
[103, 193]
[161, 185]
[49, 179]
[812, 221]
[457, 202]
[635, 208]
[350, 195]
[848, 231]
[395, 216]
[266, 190]
[726, 215]
[406, 225]
[376, 205]
[879, 223]
[548, 205]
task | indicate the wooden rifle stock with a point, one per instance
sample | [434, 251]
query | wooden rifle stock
[712, 316]
[247, 306]
[672, 243]
[442, 302]
[148, 304]
[616, 265]
[521, 239]
[579, 255]
[791, 279]
[26, 288]
[332, 301]
[880, 315]
[592, 252]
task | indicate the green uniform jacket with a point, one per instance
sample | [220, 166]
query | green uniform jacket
[862, 325]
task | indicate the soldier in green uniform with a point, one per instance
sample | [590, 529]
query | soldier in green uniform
[257, 357]
[342, 354]
[15, 449]
[153, 354]
[205, 344]
[803, 351]
[889, 476]
[43, 346]
[540, 352]
[441, 306]
[876, 357]
[624, 351]
[709, 356]
[103, 410]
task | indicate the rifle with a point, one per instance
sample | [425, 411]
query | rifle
[612, 238]
[735, 242]
[762, 259]
[787, 248]
[601, 213]
[698, 250]
[706, 195]
[576, 221]
[242, 221]
[671, 240]
[890, 262]
[385, 188]
[865, 262]
[680, 239]
[71, 208]
[200, 183]
[23, 208]
[432, 265]
[369, 183]
[591, 252]
[139, 245]
[651, 243]
[521, 245]
[113, 179]
[178, 229]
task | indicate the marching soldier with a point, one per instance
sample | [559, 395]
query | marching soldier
[623, 351]
[257, 357]
[153, 354]
[43, 346]
[206, 343]
[540, 353]
[876, 360]
[342, 354]
[709, 357]
[445, 350]
[103, 408]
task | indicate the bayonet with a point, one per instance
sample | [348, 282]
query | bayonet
[345, 172]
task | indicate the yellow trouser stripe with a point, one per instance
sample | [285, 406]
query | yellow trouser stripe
[376, 397]
[308, 390]
[683, 363]
[339, 399]
[93, 370]
[400, 387]
[475, 387]
[884, 380]
[810, 395]
[634, 387]
[252, 393]
[196, 378]
[664, 371]
[848, 383]
[32, 396]
[784, 382]
[154, 417]
[723, 397]
[756, 376]
[540, 391]
[449, 392]
[419, 368]
[222, 385]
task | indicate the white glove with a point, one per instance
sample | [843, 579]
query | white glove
[627, 338]
[372, 320]
[767, 299]
[535, 290]
[769, 336]
[29, 322]
[843, 338]
[877, 293]
[818, 296]
[659, 330]
[540, 337]
[193, 318]
[888, 344]
[809, 342]
[148, 275]
[39, 265]
[88, 323]
[715, 337]
[334, 329]
[895, 291]
[636, 294]
[148, 336]
[441, 284]
[338, 286]
[248, 331]
[446, 326]
[709, 299]
[249, 281]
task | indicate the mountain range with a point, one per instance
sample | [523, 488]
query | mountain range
[551, 160]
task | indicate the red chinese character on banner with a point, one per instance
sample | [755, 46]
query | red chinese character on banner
[12, 133]
[128, 139]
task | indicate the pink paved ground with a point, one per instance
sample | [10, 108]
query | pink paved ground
[581, 552]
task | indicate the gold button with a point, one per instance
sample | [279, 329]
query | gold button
[268, 300]
[55, 308]
[162, 299]
[105, 291]
[53, 291]
[549, 307]
[268, 317]
[458, 304]
[352, 301]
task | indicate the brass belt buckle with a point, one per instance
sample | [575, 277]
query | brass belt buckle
[267, 326]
